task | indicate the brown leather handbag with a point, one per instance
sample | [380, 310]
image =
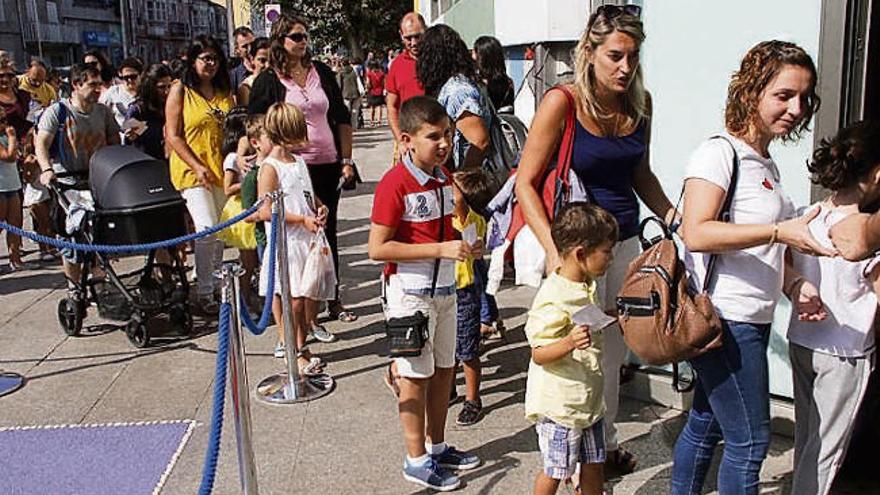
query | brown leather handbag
[663, 320]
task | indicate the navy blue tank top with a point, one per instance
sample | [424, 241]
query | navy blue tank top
[605, 165]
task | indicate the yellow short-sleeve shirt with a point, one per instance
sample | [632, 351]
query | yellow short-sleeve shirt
[567, 391]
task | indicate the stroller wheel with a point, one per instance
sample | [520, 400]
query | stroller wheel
[70, 316]
[181, 316]
[136, 331]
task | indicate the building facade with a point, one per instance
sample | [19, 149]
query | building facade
[60, 31]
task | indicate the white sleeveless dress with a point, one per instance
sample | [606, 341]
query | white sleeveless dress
[299, 199]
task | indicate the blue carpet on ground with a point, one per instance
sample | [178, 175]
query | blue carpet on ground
[120, 458]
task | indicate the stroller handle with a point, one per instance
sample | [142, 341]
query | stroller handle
[57, 188]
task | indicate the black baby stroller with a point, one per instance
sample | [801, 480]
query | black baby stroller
[134, 203]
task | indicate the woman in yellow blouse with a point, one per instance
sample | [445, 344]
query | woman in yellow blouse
[195, 110]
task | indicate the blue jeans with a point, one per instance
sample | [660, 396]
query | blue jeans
[488, 306]
[731, 402]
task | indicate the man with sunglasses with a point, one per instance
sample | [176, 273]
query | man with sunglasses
[120, 96]
[401, 83]
[34, 82]
[244, 37]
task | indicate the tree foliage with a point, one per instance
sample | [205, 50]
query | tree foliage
[356, 25]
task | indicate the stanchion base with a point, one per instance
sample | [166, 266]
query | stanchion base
[10, 382]
[276, 389]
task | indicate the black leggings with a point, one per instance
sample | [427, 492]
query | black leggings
[325, 180]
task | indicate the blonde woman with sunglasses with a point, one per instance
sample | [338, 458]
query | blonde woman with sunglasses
[611, 159]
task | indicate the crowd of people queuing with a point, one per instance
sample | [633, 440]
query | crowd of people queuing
[284, 119]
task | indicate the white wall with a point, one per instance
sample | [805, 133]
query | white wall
[520, 22]
[691, 49]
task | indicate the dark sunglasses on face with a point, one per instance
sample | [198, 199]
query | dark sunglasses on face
[297, 37]
[208, 59]
[130, 77]
[7, 75]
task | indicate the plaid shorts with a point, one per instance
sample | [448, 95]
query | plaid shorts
[562, 448]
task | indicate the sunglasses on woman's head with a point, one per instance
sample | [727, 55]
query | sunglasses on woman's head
[611, 11]
[297, 37]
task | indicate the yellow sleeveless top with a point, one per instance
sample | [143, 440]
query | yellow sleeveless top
[203, 131]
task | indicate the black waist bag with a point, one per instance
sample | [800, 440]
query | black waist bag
[407, 335]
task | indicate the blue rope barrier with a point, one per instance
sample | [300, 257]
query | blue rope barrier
[132, 248]
[213, 452]
[259, 327]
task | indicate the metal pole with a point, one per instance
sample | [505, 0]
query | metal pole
[238, 382]
[230, 27]
[37, 29]
[122, 17]
[289, 387]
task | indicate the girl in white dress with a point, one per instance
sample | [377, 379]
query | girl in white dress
[304, 214]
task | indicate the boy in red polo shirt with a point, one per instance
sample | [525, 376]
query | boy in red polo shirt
[412, 233]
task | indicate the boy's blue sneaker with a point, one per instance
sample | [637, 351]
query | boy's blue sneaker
[431, 475]
[452, 458]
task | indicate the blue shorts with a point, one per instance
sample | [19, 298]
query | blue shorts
[563, 448]
[467, 335]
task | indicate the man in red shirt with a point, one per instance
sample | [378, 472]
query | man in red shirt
[402, 83]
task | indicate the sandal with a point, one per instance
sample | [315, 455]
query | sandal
[391, 381]
[338, 312]
[621, 461]
[315, 367]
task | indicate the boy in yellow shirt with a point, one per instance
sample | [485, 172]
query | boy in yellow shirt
[471, 193]
[565, 382]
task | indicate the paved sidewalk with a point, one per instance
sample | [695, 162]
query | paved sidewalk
[345, 443]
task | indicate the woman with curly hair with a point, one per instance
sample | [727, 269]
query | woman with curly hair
[489, 57]
[611, 159]
[772, 97]
[447, 72]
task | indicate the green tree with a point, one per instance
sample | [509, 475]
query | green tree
[358, 25]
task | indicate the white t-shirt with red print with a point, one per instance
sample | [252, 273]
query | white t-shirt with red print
[747, 282]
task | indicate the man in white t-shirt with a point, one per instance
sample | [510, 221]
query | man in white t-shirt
[120, 96]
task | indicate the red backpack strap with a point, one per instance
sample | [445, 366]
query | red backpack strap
[566, 145]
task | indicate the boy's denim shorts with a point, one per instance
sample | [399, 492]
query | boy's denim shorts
[467, 336]
[562, 448]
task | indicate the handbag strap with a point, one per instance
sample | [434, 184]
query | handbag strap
[440, 240]
[724, 214]
[566, 146]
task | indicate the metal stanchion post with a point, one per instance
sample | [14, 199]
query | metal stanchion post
[238, 382]
[290, 386]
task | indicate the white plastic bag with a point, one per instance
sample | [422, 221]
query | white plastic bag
[319, 276]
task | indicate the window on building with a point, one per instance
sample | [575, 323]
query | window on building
[157, 11]
[3, 13]
[52, 12]
[31, 6]
[439, 7]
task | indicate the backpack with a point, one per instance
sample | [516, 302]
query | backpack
[507, 136]
[662, 318]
